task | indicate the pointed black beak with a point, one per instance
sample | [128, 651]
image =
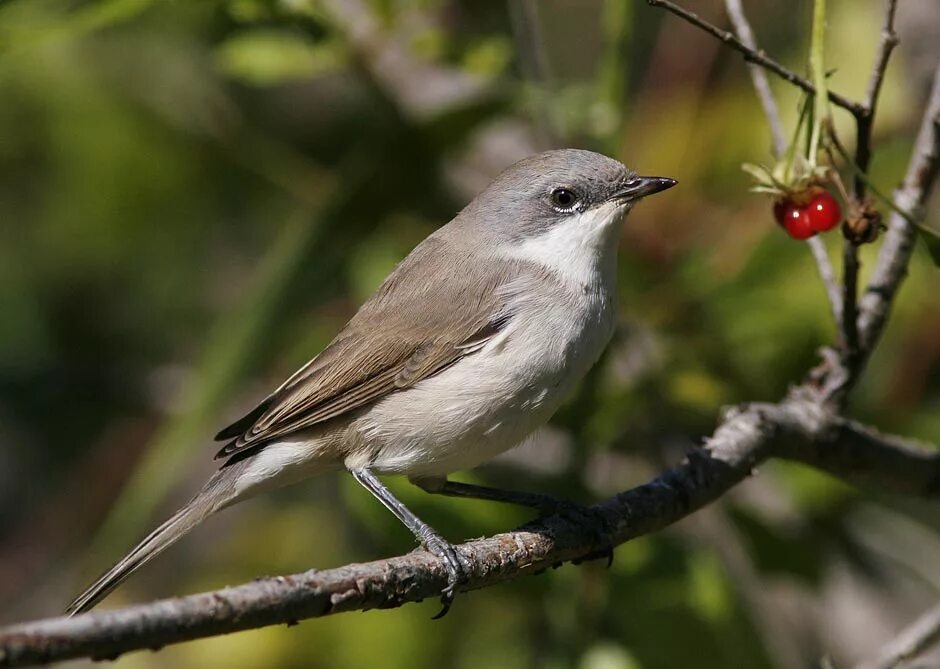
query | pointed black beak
[640, 187]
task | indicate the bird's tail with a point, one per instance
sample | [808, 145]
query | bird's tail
[220, 491]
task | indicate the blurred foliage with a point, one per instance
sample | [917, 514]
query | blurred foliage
[194, 197]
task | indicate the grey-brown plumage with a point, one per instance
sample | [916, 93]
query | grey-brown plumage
[388, 345]
[470, 344]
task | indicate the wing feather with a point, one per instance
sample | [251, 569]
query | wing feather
[408, 331]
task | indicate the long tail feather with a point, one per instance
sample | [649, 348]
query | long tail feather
[218, 493]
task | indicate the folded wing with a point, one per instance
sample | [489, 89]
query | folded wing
[413, 327]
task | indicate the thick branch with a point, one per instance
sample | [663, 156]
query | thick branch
[862, 455]
[754, 56]
[796, 428]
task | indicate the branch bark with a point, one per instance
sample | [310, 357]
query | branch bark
[795, 428]
[895, 254]
[911, 642]
[889, 40]
[852, 353]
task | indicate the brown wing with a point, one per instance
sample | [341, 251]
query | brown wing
[407, 331]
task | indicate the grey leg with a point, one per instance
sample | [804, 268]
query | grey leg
[433, 541]
[545, 504]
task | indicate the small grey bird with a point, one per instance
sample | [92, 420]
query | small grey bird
[469, 345]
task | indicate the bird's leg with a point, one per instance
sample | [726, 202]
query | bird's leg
[432, 541]
[545, 504]
[541, 502]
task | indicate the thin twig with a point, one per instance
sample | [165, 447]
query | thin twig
[827, 275]
[758, 76]
[864, 123]
[912, 641]
[891, 265]
[797, 428]
[754, 56]
[889, 40]
[848, 327]
[772, 111]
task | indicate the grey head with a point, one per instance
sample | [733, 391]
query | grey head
[539, 192]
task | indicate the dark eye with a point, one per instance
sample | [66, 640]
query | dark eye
[564, 198]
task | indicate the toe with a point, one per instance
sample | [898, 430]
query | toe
[457, 571]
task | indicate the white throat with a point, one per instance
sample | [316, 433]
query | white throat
[581, 251]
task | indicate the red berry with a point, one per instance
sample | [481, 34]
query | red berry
[824, 212]
[796, 221]
[780, 209]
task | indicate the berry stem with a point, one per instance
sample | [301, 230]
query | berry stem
[818, 74]
[836, 178]
[790, 157]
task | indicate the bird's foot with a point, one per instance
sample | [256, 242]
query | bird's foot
[458, 569]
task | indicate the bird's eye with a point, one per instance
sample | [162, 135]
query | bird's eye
[564, 198]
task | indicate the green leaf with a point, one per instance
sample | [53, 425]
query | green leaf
[760, 173]
[767, 181]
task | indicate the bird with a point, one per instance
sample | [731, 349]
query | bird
[467, 348]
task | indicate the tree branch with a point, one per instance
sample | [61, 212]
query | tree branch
[912, 641]
[864, 124]
[889, 40]
[895, 253]
[861, 455]
[848, 326]
[757, 57]
[827, 275]
[795, 428]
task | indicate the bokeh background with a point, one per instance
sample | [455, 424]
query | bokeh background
[195, 196]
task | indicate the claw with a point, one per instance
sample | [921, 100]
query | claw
[457, 572]
[604, 553]
[447, 598]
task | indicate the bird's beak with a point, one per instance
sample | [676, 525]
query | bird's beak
[640, 187]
